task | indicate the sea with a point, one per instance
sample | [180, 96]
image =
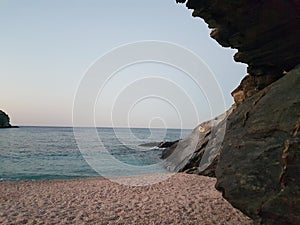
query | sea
[51, 153]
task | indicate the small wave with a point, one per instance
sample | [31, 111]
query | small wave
[157, 148]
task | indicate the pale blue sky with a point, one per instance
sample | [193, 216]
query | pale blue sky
[46, 47]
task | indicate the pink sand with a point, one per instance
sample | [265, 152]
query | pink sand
[181, 199]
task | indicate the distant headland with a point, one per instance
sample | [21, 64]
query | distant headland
[5, 121]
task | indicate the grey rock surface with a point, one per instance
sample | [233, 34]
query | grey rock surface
[259, 166]
[198, 153]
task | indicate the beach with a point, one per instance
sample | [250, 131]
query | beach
[180, 199]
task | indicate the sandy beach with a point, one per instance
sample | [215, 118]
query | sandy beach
[181, 199]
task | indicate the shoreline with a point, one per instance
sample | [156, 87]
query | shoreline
[181, 199]
[132, 180]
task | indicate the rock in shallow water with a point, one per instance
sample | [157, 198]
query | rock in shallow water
[259, 167]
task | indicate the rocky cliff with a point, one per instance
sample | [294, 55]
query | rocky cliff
[258, 168]
[4, 120]
[265, 33]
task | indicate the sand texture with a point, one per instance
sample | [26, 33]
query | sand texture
[181, 199]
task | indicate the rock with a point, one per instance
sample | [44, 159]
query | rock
[198, 152]
[250, 85]
[4, 120]
[166, 144]
[265, 33]
[169, 149]
[150, 144]
[259, 166]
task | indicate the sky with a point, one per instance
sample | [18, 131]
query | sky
[48, 47]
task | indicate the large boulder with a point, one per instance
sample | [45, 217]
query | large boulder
[259, 166]
[198, 152]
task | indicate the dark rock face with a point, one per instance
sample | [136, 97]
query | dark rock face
[169, 150]
[266, 34]
[259, 166]
[151, 144]
[4, 120]
[167, 144]
[198, 153]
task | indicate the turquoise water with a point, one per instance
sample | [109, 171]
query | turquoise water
[45, 153]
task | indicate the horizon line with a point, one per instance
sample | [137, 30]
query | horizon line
[118, 127]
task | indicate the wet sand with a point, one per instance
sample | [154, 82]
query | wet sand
[181, 199]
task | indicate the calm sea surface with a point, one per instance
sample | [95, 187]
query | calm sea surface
[44, 153]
